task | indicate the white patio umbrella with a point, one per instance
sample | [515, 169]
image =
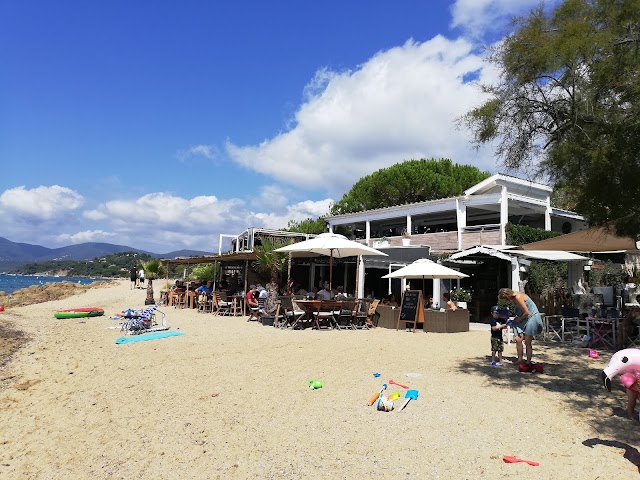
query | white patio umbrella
[330, 245]
[425, 269]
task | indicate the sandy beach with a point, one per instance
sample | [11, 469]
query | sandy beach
[229, 399]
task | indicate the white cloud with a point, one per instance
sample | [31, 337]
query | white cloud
[39, 204]
[477, 17]
[299, 211]
[86, 236]
[271, 196]
[401, 104]
[210, 152]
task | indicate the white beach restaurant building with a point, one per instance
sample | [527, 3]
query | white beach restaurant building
[470, 227]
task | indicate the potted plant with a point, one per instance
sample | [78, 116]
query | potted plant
[406, 238]
[381, 243]
[461, 297]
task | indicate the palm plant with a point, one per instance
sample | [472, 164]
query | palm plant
[270, 262]
[153, 269]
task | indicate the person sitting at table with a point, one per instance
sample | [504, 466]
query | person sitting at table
[390, 301]
[325, 293]
[206, 289]
[313, 294]
[629, 327]
[340, 295]
[252, 303]
[448, 304]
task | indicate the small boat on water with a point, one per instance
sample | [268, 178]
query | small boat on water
[79, 313]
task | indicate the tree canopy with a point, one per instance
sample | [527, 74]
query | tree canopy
[568, 103]
[408, 182]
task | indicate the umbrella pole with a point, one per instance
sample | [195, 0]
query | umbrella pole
[331, 270]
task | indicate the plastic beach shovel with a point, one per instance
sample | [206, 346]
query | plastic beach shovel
[410, 395]
[375, 396]
[392, 382]
[509, 459]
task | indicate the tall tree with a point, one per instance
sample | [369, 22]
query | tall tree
[408, 182]
[568, 104]
[308, 225]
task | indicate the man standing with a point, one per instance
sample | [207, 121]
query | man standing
[133, 275]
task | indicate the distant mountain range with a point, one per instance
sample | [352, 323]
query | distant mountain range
[13, 254]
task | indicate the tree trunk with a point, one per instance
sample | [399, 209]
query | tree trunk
[149, 300]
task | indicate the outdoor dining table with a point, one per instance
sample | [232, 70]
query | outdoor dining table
[312, 308]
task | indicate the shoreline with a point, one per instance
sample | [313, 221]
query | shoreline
[230, 398]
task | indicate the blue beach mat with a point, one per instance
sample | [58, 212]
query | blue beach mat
[150, 336]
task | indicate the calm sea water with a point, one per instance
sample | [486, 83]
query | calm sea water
[11, 283]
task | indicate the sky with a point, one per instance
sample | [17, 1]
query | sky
[162, 125]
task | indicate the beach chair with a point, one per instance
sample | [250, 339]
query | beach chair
[145, 322]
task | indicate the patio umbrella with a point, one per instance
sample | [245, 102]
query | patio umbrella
[424, 268]
[330, 245]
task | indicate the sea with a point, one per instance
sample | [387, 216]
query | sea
[11, 283]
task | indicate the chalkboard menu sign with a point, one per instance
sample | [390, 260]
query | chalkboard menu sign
[412, 309]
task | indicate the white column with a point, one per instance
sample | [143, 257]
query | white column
[409, 224]
[360, 285]
[330, 228]
[367, 232]
[515, 273]
[461, 218]
[437, 292]
[504, 216]
[547, 216]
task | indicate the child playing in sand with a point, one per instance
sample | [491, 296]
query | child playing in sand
[497, 344]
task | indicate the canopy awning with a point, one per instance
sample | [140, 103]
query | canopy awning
[595, 239]
[508, 253]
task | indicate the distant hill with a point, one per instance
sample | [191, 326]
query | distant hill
[13, 254]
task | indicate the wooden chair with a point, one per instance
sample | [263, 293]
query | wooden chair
[220, 306]
[205, 303]
[289, 313]
[361, 314]
[345, 320]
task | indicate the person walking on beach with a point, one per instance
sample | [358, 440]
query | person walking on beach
[141, 277]
[526, 324]
[133, 275]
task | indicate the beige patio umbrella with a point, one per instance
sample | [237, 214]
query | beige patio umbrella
[330, 245]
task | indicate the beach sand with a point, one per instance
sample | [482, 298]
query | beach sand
[229, 399]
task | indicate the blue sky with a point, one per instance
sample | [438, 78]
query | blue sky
[161, 125]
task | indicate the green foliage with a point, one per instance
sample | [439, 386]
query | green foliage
[205, 271]
[460, 295]
[504, 304]
[610, 274]
[568, 97]
[408, 182]
[547, 278]
[152, 269]
[309, 225]
[522, 234]
[115, 265]
[268, 261]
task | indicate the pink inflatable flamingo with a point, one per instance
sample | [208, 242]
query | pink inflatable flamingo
[624, 362]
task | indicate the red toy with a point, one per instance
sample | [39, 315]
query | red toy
[398, 384]
[509, 459]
